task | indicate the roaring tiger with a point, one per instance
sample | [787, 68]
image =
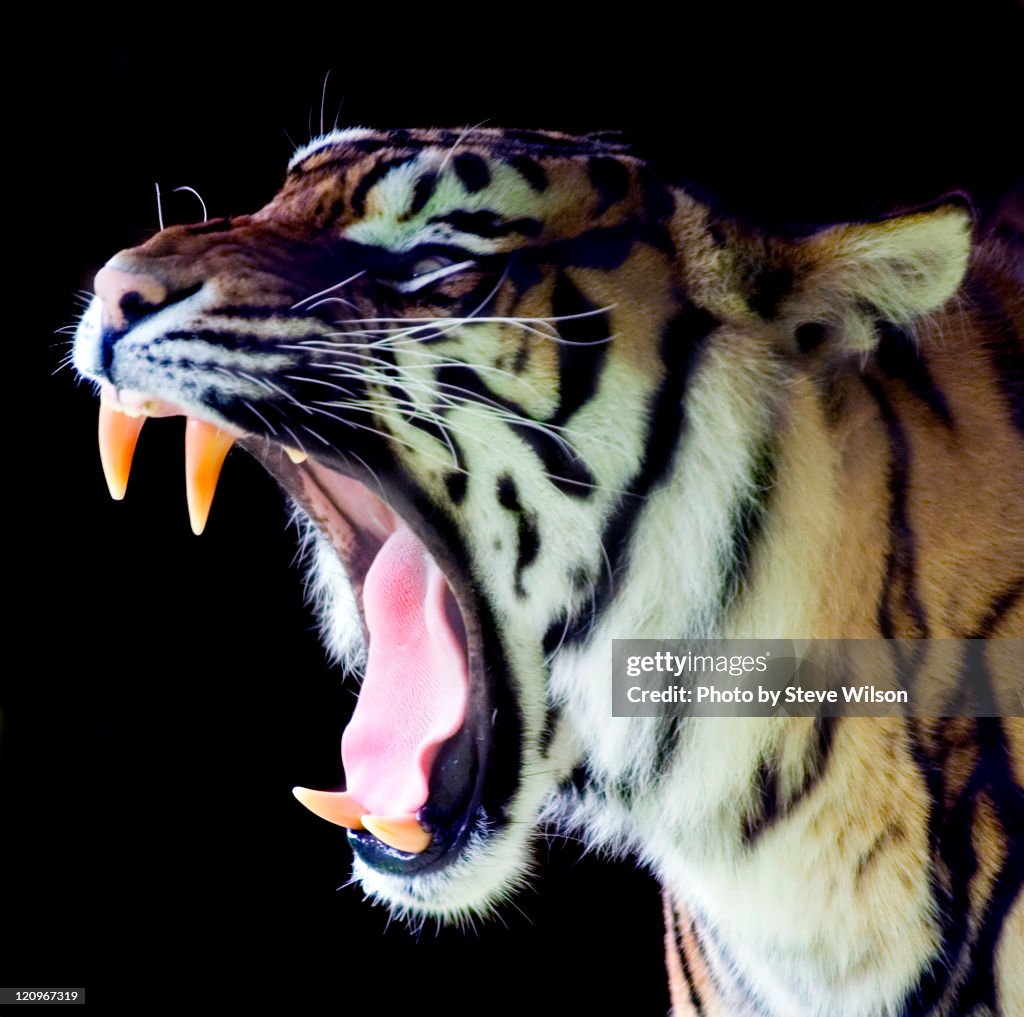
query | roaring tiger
[527, 396]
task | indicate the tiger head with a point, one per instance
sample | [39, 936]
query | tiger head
[526, 396]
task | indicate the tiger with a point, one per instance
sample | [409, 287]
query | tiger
[529, 394]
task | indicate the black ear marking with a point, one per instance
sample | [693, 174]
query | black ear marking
[771, 286]
[810, 336]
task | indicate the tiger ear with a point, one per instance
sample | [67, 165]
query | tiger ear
[847, 279]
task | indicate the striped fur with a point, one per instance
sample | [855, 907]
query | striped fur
[635, 418]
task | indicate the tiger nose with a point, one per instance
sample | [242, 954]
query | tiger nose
[126, 296]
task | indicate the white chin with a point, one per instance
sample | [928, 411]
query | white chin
[488, 872]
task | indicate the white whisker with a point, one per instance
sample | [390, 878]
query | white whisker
[330, 289]
[323, 99]
[252, 409]
[192, 190]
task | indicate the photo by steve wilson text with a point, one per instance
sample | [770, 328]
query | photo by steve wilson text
[859, 677]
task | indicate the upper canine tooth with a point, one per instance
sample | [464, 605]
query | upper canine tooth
[295, 455]
[335, 806]
[118, 435]
[403, 832]
[206, 446]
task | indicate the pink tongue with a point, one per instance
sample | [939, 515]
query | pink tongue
[413, 697]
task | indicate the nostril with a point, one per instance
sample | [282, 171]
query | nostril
[134, 306]
[127, 296]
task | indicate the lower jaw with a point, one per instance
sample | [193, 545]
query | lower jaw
[475, 772]
[452, 813]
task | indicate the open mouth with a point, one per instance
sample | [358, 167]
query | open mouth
[419, 752]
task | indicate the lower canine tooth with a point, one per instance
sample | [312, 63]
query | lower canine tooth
[404, 832]
[206, 446]
[295, 455]
[118, 435]
[335, 806]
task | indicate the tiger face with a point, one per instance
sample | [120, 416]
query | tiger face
[526, 396]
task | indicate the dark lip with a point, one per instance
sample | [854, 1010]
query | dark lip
[466, 787]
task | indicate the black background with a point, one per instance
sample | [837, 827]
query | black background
[162, 693]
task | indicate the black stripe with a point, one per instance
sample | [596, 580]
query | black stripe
[748, 523]
[770, 805]
[436, 431]
[548, 731]
[530, 170]
[569, 143]
[508, 493]
[994, 772]
[951, 847]
[666, 743]
[408, 408]
[563, 467]
[764, 810]
[581, 780]
[421, 194]
[901, 557]
[682, 341]
[605, 248]
[993, 775]
[684, 961]
[455, 484]
[893, 832]
[659, 200]
[610, 178]
[1005, 347]
[624, 790]
[522, 357]
[899, 356]
[579, 577]
[527, 534]
[340, 162]
[247, 342]
[370, 145]
[488, 224]
[554, 635]
[999, 609]
[373, 176]
[472, 170]
[584, 351]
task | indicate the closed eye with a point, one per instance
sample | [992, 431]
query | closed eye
[426, 273]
